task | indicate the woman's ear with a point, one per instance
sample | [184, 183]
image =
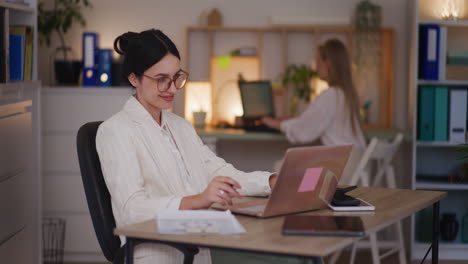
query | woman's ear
[133, 79]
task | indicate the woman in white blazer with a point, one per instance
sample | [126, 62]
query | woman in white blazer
[152, 159]
[333, 116]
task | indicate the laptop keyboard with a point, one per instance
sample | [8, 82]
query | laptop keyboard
[255, 209]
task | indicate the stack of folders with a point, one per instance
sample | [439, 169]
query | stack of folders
[20, 53]
[442, 114]
[432, 52]
[97, 63]
[457, 64]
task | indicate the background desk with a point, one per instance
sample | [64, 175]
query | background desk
[264, 235]
[259, 150]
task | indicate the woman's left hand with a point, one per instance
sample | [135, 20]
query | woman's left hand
[272, 180]
[272, 122]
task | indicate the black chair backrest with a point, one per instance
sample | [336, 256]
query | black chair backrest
[97, 195]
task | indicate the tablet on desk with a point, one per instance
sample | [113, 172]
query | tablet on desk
[323, 225]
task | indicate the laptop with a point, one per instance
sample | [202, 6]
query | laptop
[307, 181]
[257, 102]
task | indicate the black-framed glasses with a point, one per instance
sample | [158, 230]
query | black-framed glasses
[164, 82]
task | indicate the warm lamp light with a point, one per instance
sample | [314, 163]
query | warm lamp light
[452, 9]
[197, 99]
[225, 72]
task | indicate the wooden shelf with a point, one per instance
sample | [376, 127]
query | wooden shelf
[447, 251]
[17, 7]
[443, 82]
[444, 22]
[445, 144]
[341, 28]
[433, 185]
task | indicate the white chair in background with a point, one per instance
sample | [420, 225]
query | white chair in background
[381, 154]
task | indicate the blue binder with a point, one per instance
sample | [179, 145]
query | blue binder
[90, 56]
[105, 67]
[429, 45]
[426, 113]
[441, 106]
[16, 57]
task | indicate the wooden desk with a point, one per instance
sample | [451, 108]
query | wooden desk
[264, 235]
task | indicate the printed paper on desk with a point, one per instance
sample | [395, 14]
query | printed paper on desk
[198, 221]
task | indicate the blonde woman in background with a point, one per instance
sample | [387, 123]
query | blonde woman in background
[333, 116]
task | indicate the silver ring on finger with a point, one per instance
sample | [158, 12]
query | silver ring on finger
[221, 192]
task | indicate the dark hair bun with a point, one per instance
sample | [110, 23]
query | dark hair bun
[143, 50]
[123, 41]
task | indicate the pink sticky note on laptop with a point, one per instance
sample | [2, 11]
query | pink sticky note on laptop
[310, 179]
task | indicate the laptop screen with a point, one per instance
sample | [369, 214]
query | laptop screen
[257, 98]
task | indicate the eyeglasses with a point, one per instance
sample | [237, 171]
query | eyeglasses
[164, 82]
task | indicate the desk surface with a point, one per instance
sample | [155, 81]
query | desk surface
[240, 134]
[265, 234]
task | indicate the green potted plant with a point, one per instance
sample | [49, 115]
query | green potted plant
[299, 77]
[59, 19]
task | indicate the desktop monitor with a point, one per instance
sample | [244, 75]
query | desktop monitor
[257, 98]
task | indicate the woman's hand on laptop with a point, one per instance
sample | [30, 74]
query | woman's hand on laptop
[272, 180]
[272, 122]
[220, 190]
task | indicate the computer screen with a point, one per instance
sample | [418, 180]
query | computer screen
[257, 98]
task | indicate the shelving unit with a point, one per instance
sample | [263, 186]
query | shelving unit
[279, 46]
[437, 159]
[20, 167]
[18, 15]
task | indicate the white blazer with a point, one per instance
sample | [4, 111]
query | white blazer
[326, 118]
[142, 178]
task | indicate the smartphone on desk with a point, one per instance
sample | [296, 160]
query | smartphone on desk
[361, 206]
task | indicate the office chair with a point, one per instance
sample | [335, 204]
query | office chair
[97, 195]
[382, 154]
[99, 201]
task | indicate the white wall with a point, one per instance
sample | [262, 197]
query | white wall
[111, 18]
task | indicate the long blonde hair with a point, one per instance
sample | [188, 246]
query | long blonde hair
[339, 76]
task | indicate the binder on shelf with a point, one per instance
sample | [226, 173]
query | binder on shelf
[442, 53]
[429, 36]
[16, 57]
[4, 43]
[90, 50]
[458, 108]
[105, 67]
[441, 102]
[26, 32]
[426, 113]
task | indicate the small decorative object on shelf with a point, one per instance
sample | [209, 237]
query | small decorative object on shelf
[59, 20]
[199, 119]
[452, 9]
[245, 51]
[449, 227]
[215, 18]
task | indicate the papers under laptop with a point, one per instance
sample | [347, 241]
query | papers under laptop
[307, 181]
[257, 102]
